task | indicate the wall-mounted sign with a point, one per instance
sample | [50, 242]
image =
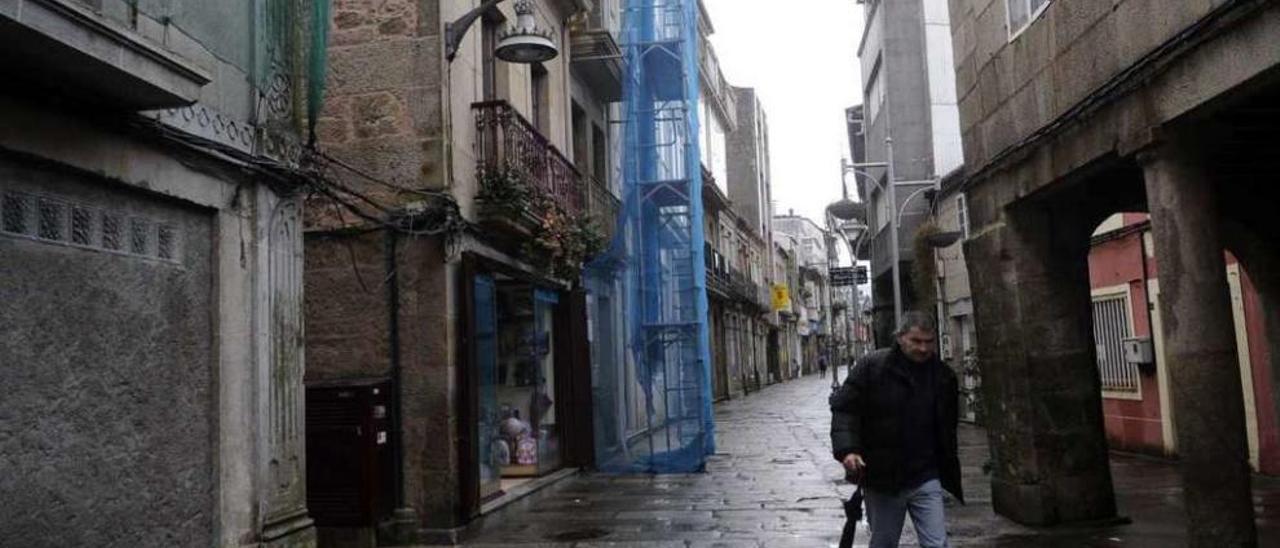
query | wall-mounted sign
[781, 297]
[848, 276]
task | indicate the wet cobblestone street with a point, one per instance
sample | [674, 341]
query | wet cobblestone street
[773, 483]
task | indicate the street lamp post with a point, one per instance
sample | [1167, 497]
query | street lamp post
[890, 188]
[855, 307]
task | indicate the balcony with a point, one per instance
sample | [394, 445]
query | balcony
[595, 53]
[505, 140]
[67, 46]
[603, 207]
[718, 282]
[748, 291]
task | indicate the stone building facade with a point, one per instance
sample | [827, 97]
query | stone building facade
[436, 274]
[751, 195]
[810, 290]
[1070, 113]
[736, 251]
[150, 229]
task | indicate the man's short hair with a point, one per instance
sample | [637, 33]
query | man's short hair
[916, 319]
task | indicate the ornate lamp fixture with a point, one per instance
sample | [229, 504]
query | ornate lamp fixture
[521, 43]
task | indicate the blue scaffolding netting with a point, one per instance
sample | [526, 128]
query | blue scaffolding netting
[653, 390]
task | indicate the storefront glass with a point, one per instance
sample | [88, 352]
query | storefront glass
[493, 450]
[516, 361]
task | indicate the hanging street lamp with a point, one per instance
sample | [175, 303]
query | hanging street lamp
[522, 43]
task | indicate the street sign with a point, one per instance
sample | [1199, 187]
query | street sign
[848, 276]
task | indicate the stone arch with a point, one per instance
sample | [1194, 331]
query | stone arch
[1259, 255]
[1028, 266]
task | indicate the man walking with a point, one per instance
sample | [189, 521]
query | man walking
[893, 427]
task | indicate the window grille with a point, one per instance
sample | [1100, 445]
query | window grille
[81, 226]
[52, 225]
[164, 242]
[962, 214]
[1110, 328]
[138, 239]
[56, 220]
[15, 210]
[112, 232]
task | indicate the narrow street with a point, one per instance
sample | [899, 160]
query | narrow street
[773, 483]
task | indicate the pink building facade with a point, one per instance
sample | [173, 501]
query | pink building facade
[1125, 281]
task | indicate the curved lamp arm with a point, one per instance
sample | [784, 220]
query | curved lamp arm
[905, 203]
[455, 31]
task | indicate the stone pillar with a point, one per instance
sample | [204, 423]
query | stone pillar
[281, 395]
[1029, 274]
[1200, 348]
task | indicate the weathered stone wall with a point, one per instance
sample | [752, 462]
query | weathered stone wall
[1010, 89]
[383, 104]
[346, 307]
[429, 318]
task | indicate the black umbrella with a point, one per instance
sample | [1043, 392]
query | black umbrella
[852, 515]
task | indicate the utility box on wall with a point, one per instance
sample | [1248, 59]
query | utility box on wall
[350, 480]
[1138, 351]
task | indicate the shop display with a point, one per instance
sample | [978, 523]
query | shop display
[524, 438]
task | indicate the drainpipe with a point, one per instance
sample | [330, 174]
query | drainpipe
[393, 325]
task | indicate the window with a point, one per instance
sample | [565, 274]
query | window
[599, 154]
[875, 94]
[489, 59]
[541, 94]
[1022, 13]
[1111, 325]
[962, 214]
[579, 122]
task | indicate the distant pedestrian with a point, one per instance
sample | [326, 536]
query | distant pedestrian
[893, 427]
[822, 367]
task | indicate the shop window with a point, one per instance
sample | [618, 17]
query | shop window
[515, 356]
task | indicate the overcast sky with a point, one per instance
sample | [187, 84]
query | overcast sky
[801, 56]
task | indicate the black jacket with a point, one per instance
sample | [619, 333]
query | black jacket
[868, 415]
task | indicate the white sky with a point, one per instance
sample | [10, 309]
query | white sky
[801, 56]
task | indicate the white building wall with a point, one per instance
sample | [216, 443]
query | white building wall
[948, 152]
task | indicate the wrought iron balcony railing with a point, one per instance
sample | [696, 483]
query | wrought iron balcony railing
[603, 206]
[504, 138]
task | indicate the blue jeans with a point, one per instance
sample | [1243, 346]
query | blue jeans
[886, 512]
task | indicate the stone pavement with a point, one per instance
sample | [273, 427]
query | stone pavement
[773, 483]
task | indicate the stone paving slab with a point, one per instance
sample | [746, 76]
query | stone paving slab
[773, 484]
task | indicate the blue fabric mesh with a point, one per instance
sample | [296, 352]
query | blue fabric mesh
[653, 391]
